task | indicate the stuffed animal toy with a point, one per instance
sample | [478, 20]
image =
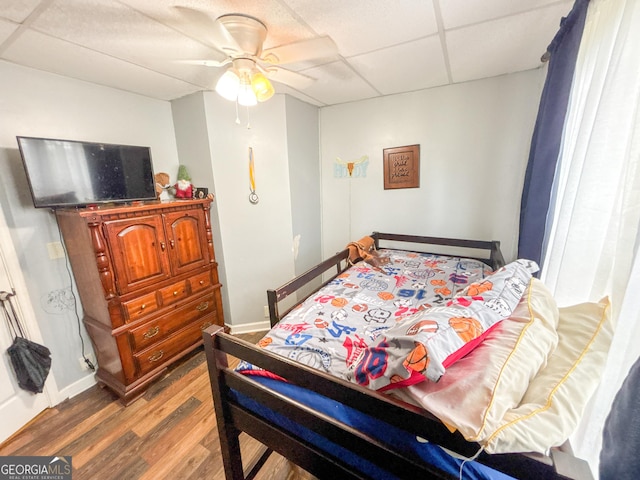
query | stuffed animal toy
[162, 186]
[183, 187]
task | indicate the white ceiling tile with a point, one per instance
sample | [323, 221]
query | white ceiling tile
[337, 83]
[17, 11]
[116, 29]
[122, 32]
[404, 68]
[384, 46]
[6, 29]
[456, 13]
[365, 25]
[284, 89]
[283, 26]
[39, 51]
[501, 46]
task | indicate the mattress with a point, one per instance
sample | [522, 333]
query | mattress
[330, 329]
[397, 439]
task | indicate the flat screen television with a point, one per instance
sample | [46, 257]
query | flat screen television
[68, 173]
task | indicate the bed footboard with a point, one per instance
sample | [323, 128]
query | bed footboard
[233, 418]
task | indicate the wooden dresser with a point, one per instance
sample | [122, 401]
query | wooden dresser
[148, 282]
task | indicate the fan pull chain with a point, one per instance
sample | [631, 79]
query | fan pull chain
[237, 114]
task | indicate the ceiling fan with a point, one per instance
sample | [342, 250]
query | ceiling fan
[241, 37]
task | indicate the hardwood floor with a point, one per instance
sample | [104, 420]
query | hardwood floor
[168, 433]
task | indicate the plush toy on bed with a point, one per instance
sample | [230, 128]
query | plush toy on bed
[183, 187]
[364, 249]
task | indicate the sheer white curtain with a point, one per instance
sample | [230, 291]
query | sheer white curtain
[594, 236]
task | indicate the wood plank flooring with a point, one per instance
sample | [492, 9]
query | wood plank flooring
[168, 433]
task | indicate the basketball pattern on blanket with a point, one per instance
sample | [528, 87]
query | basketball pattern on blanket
[331, 329]
[425, 343]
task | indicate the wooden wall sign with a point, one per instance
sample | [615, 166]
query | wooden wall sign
[402, 167]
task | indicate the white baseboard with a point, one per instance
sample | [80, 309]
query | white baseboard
[89, 381]
[250, 327]
[77, 387]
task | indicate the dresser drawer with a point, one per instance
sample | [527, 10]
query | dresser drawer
[140, 306]
[161, 352]
[200, 282]
[173, 293]
[157, 329]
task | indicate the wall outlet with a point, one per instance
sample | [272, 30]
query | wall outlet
[83, 364]
[55, 250]
[266, 311]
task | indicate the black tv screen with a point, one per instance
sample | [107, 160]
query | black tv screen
[67, 173]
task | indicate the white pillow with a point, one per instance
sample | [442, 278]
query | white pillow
[555, 400]
[475, 393]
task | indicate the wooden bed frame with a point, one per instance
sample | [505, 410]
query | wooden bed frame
[233, 418]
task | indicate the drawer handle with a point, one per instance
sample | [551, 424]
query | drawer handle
[156, 356]
[152, 332]
[202, 307]
[143, 306]
[205, 325]
[163, 246]
[175, 293]
[201, 282]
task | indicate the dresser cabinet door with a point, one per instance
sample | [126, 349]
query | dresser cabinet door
[138, 248]
[187, 241]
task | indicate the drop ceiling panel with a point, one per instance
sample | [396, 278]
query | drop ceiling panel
[337, 83]
[506, 45]
[39, 51]
[404, 68]
[384, 47]
[122, 32]
[6, 29]
[360, 26]
[456, 13]
[282, 24]
[17, 11]
[284, 89]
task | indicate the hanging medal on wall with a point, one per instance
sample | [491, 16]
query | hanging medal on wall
[253, 196]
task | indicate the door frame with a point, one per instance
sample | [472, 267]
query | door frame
[24, 308]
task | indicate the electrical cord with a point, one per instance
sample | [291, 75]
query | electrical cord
[87, 361]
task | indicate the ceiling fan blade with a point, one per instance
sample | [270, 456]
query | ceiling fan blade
[210, 30]
[207, 63]
[304, 50]
[293, 79]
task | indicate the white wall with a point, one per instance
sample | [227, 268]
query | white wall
[256, 239]
[304, 172]
[255, 243]
[39, 104]
[474, 140]
[194, 151]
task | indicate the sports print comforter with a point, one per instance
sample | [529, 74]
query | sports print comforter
[330, 329]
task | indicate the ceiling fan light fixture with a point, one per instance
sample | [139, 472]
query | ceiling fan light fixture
[228, 85]
[246, 95]
[261, 86]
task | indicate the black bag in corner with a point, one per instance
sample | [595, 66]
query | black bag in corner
[31, 361]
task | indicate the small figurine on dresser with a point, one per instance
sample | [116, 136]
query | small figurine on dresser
[162, 186]
[183, 187]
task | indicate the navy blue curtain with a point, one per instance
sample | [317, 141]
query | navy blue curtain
[547, 135]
